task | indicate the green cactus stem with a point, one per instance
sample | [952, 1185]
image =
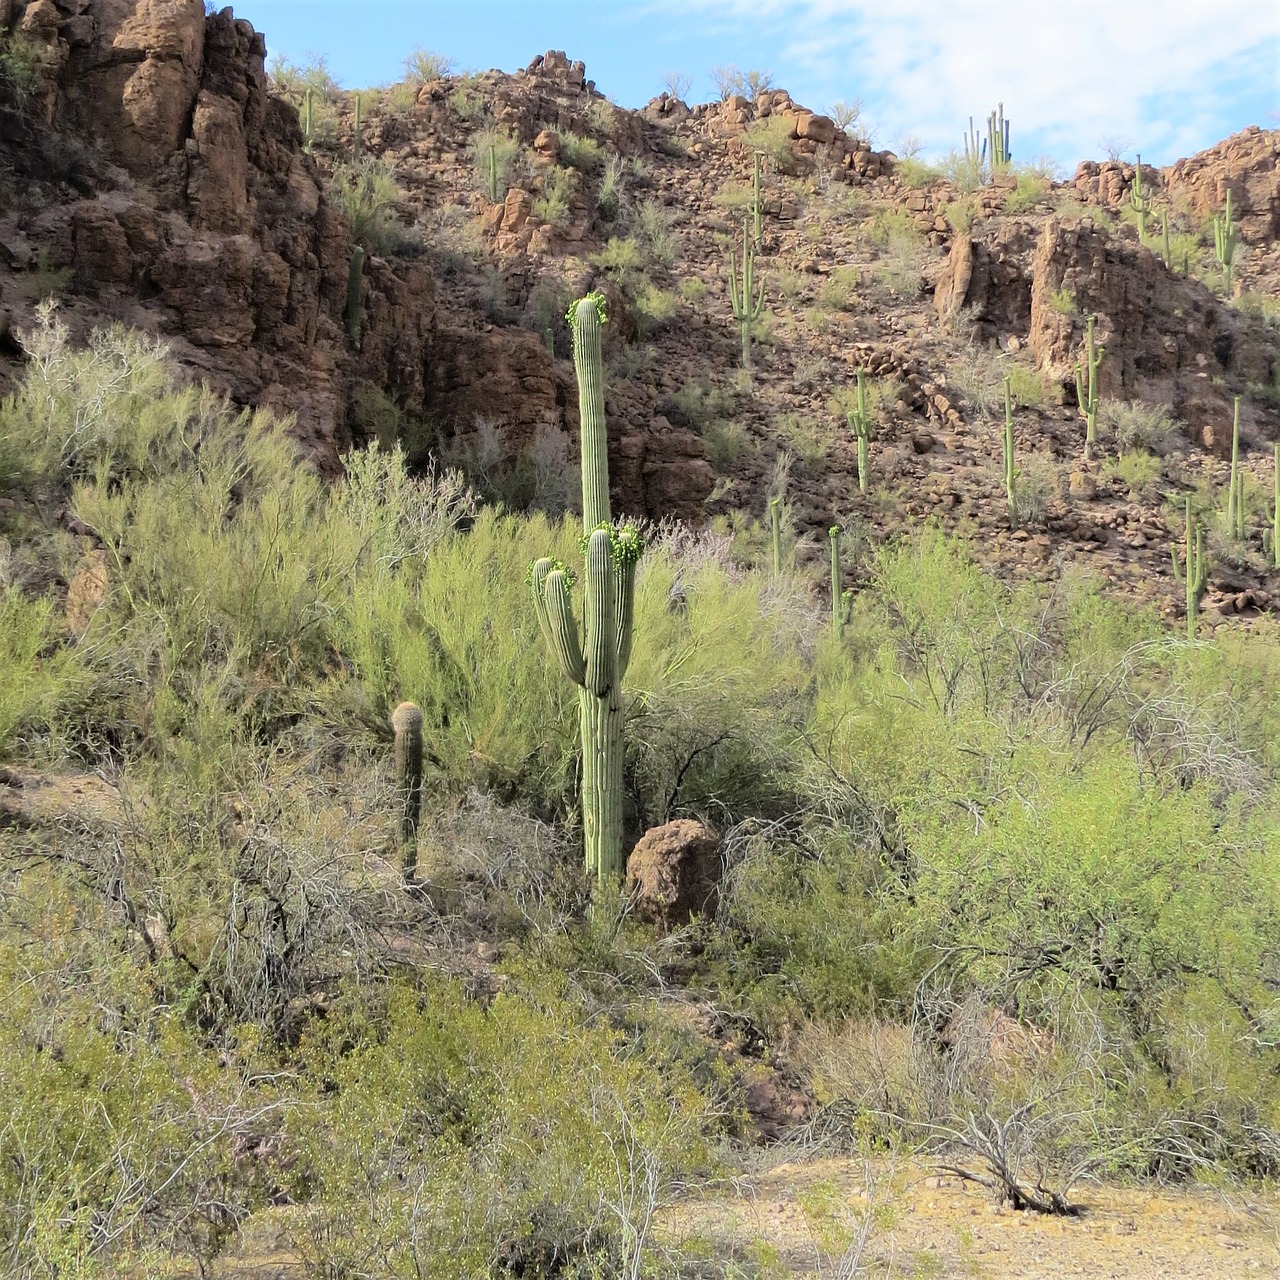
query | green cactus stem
[1224, 242]
[859, 419]
[746, 299]
[1235, 486]
[406, 722]
[775, 534]
[975, 150]
[1196, 576]
[841, 600]
[355, 285]
[357, 140]
[1088, 400]
[493, 173]
[1140, 201]
[308, 134]
[595, 660]
[757, 211]
[1274, 531]
[998, 139]
[1166, 243]
[1010, 475]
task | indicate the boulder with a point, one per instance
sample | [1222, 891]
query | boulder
[673, 873]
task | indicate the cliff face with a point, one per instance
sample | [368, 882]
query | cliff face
[154, 170]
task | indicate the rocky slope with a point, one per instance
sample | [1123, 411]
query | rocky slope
[157, 176]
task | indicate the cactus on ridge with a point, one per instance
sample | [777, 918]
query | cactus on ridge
[859, 419]
[1140, 201]
[1235, 486]
[1224, 242]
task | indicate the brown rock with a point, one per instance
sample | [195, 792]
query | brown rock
[1082, 485]
[673, 873]
[816, 128]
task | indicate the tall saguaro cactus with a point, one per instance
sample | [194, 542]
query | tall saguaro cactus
[1010, 475]
[1196, 575]
[1224, 242]
[859, 418]
[1235, 486]
[998, 139]
[1088, 400]
[747, 301]
[597, 660]
[1140, 201]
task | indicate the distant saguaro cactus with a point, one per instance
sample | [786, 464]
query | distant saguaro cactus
[1010, 475]
[1224, 242]
[598, 661]
[355, 284]
[1196, 576]
[1235, 486]
[1274, 532]
[1087, 398]
[308, 133]
[775, 534]
[746, 300]
[859, 419]
[357, 141]
[1140, 201]
[406, 721]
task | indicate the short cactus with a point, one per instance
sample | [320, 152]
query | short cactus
[1087, 398]
[357, 140]
[596, 662]
[406, 721]
[746, 299]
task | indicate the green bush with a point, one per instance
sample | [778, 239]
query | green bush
[422, 66]
[367, 192]
[1029, 192]
[579, 152]
[38, 678]
[496, 156]
[555, 203]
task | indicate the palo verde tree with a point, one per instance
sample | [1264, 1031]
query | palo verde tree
[597, 661]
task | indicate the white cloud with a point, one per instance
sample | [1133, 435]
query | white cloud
[1160, 73]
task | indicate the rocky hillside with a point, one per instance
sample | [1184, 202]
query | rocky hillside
[152, 172]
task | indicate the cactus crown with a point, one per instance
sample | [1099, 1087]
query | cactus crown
[626, 545]
[597, 299]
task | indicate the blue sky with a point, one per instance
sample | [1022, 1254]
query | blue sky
[1164, 77]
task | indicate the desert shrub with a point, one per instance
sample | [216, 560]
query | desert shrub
[613, 190]
[960, 214]
[838, 291]
[495, 157]
[37, 675]
[964, 172]
[654, 227]
[367, 192]
[292, 80]
[1035, 487]
[847, 117]
[655, 308]
[1026, 386]
[466, 101]
[771, 137]
[692, 289]
[555, 202]
[737, 196]
[1134, 425]
[621, 259]
[1030, 190]
[534, 476]
[423, 66]
[475, 1140]
[914, 173]
[20, 62]
[579, 152]
[1140, 470]
[1063, 301]
[1264, 306]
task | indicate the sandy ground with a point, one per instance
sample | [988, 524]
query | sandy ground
[929, 1226]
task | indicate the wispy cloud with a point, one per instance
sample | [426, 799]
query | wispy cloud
[1169, 76]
